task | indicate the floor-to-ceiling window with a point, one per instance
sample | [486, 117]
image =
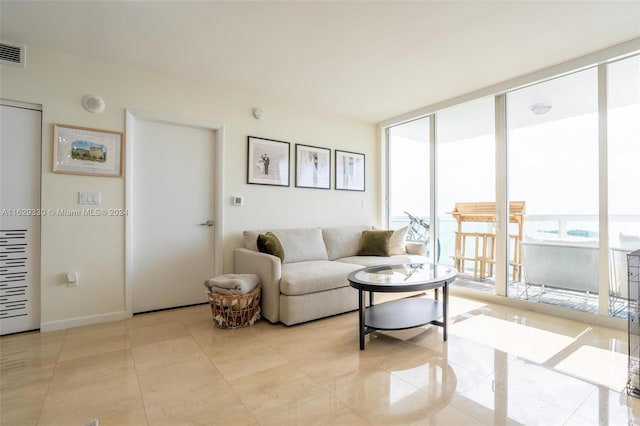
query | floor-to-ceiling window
[465, 173]
[410, 178]
[623, 142]
[567, 147]
[553, 166]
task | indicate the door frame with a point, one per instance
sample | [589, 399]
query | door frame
[135, 116]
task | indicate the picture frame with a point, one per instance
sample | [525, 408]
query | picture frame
[350, 168]
[268, 161]
[313, 167]
[85, 151]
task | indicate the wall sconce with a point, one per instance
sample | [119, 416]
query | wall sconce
[258, 113]
[93, 103]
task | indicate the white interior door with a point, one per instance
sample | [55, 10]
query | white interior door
[173, 195]
[20, 159]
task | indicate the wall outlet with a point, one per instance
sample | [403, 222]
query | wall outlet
[72, 279]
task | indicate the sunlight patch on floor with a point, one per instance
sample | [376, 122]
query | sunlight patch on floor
[526, 342]
[599, 366]
[458, 306]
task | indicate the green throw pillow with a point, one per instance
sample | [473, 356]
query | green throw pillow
[375, 243]
[270, 244]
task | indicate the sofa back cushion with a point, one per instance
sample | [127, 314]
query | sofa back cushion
[298, 244]
[250, 239]
[343, 241]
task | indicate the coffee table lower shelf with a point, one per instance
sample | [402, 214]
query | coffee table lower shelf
[402, 314]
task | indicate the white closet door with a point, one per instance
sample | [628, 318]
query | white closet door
[20, 160]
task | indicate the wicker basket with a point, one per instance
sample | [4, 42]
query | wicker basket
[235, 310]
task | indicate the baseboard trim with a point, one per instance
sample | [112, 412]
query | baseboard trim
[81, 321]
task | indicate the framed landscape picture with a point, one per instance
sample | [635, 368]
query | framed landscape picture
[313, 167]
[349, 171]
[268, 162]
[84, 151]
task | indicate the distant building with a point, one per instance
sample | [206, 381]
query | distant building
[97, 153]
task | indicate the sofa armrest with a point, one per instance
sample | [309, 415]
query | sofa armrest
[269, 269]
[416, 248]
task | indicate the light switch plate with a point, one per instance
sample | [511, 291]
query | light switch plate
[237, 200]
[88, 197]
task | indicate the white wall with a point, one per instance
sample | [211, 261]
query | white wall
[95, 246]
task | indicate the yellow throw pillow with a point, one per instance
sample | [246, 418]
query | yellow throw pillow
[270, 244]
[375, 243]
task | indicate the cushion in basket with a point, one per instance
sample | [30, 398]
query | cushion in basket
[232, 283]
[375, 243]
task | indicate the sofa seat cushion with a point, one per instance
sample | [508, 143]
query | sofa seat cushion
[366, 261]
[314, 276]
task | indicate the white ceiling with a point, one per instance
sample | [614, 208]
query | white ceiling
[370, 60]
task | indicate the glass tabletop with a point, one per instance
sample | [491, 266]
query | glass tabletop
[406, 274]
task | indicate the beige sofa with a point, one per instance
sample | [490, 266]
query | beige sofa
[311, 281]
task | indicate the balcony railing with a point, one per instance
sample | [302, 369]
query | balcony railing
[561, 253]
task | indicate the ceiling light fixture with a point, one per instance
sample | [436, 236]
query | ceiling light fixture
[93, 103]
[541, 108]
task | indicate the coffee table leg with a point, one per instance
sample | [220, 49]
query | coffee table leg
[445, 303]
[361, 308]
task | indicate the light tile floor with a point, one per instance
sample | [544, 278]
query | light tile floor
[500, 366]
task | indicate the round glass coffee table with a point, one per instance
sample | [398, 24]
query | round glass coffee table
[407, 312]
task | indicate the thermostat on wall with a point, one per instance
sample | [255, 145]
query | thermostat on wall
[238, 201]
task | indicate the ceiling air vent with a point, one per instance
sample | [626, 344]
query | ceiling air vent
[12, 54]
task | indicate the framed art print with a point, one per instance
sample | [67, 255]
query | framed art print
[313, 167]
[84, 151]
[349, 171]
[268, 162]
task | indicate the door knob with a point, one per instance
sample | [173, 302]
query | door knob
[208, 223]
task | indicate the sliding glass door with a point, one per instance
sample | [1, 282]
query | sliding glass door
[553, 167]
[465, 180]
[623, 139]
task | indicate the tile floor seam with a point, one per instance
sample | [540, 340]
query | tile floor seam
[135, 368]
[575, 413]
[221, 375]
[44, 399]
